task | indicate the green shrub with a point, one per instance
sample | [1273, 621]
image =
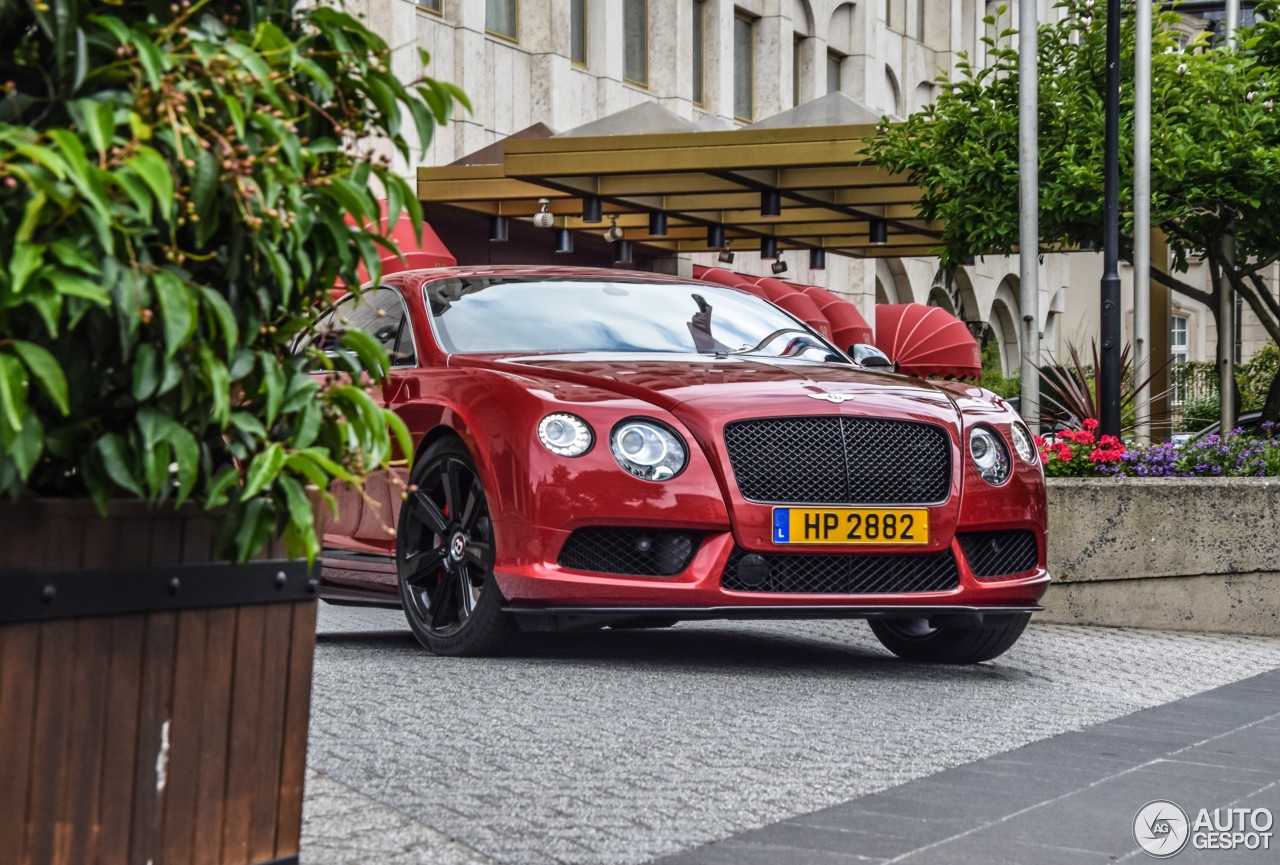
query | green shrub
[180, 187]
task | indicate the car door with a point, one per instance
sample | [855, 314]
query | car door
[365, 523]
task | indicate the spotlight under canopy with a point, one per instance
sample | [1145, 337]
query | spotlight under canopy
[657, 224]
[879, 232]
[592, 209]
[817, 259]
[498, 229]
[768, 248]
[715, 236]
[564, 240]
[623, 252]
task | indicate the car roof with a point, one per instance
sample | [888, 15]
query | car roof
[602, 273]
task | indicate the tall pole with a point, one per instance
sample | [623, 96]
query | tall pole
[1109, 386]
[1227, 338]
[1227, 291]
[1029, 209]
[1142, 217]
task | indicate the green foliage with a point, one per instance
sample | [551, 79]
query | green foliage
[1198, 413]
[1215, 140]
[180, 187]
[993, 377]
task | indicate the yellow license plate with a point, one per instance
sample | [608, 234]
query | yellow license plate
[898, 526]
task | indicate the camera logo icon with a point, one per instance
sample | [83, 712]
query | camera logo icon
[1161, 829]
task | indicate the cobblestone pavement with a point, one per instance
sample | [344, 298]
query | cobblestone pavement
[618, 747]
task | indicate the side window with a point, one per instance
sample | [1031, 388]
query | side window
[379, 312]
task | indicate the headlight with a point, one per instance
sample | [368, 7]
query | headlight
[990, 456]
[648, 450]
[1022, 443]
[565, 434]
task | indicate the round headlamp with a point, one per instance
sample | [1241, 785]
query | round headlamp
[990, 456]
[648, 449]
[1023, 443]
[565, 434]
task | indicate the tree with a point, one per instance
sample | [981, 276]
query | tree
[1215, 151]
[180, 186]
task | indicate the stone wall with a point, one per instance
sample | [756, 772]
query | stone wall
[1195, 554]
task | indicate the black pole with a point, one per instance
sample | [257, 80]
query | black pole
[1109, 383]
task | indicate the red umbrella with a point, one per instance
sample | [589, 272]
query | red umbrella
[718, 275]
[431, 252]
[925, 340]
[751, 288]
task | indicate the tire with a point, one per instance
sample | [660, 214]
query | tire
[916, 640]
[445, 556]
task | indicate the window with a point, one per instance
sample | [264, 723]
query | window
[635, 41]
[430, 5]
[578, 32]
[502, 18]
[744, 67]
[699, 11]
[835, 61]
[1178, 350]
[380, 313]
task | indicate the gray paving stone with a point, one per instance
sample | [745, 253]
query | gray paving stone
[613, 748]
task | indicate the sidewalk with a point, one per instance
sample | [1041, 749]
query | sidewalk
[1069, 799]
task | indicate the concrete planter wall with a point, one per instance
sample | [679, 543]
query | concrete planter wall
[1195, 554]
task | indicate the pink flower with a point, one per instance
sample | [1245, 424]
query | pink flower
[1090, 423]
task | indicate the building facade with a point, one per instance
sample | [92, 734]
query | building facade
[725, 63]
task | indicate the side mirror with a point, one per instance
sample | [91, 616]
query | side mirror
[871, 357]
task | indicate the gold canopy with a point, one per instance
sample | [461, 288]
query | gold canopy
[830, 191]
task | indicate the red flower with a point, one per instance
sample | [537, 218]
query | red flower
[1090, 423]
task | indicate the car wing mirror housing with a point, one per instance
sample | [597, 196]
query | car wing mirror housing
[865, 354]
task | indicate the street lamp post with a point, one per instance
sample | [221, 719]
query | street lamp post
[1109, 386]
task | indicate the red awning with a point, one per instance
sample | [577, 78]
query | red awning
[827, 313]
[430, 252]
[926, 340]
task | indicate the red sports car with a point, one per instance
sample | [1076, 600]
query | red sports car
[603, 447]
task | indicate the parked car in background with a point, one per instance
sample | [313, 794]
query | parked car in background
[600, 447]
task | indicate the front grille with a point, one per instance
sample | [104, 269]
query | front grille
[629, 551]
[999, 554]
[852, 574]
[840, 460]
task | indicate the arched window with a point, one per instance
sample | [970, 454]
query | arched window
[892, 94]
[802, 29]
[840, 42]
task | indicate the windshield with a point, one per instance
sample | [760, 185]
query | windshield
[502, 314]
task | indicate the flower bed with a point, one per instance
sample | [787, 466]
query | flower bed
[1079, 453]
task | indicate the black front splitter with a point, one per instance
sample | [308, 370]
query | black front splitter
[568, 618]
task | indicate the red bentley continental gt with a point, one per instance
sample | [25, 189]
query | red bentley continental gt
[603, 447]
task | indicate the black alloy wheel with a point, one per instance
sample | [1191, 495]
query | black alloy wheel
[445, 556]
[918, 640]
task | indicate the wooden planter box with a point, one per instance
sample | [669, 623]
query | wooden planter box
[153, 703]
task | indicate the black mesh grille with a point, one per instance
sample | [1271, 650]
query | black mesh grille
[855, 574]
[999, 554]
[840, 460]
[636, 552]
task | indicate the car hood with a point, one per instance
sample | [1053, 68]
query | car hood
[740, 385]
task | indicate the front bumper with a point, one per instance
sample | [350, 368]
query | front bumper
[535, 581]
